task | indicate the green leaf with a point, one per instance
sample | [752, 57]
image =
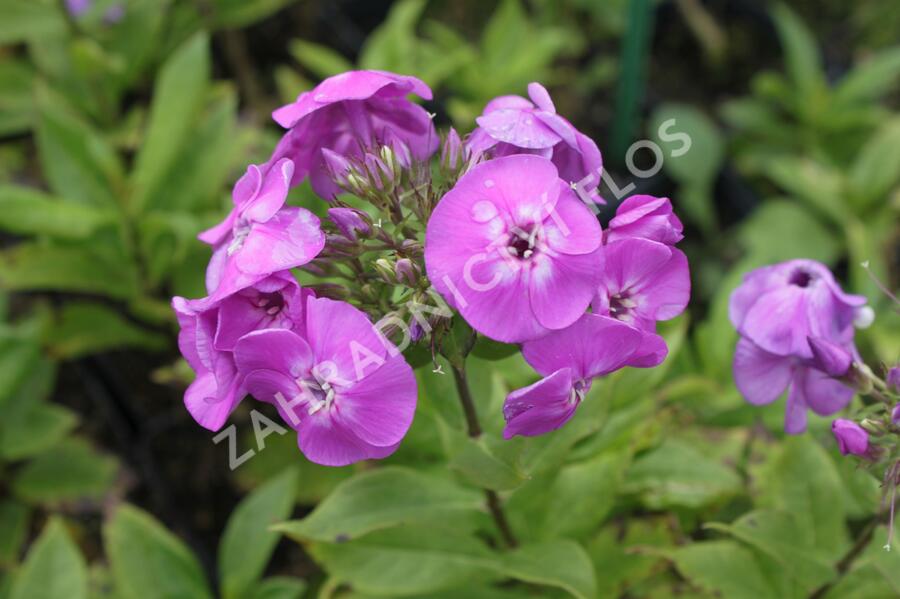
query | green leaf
[876, 169]
[321, 60]
[19, 358]
[781, 537]
[59, 267]
[409, 560]
[769, 235]
[381, 499]
[16, 96]
[27, 211]
[71, 470]
[480, 461]
[234, 14]
[695, 158]
[247, 543]
[801, 53]
[562, 564]
[818, 185]
[676, 474]
[278, 587]
[31, 425]
[871, 79]
[724, 568]
[54, 568]
[179, 93]
[149, 562]
[77, 161]
[13, 528]
[24, 19]
[83, 328]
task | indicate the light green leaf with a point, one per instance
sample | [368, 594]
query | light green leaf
[818, 185]
[77, 161]
[179, 93]
[781, 536]
[381, 499]
[83, 328]
[770, 234]
[321, 60]
[693, 148]
[58, 267]
[27, 211]
[562, 564]
[876, 170]
[247, 543]
[676, 474]
[149, 562]
[13, 528]
[278, 587]
[482, 463]
[71, 470]
[801, 53]
[54, 568]
[724, 568]
[409, 560]
[16, 96]
[24, 19]
[795, 481]
[871, 79]
[234, 14]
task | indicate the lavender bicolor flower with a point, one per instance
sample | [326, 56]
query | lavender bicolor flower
[209, 332]
[778, 307]
[648, 217]
[347, 392]
[513, 249]
[514, 125]
[851, 437]
[260, 236]
[349, 113]
[762, 377]
[569, 360]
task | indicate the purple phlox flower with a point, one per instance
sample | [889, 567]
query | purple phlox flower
[347, 392]
[893, 378]
[830, 358]
[648, 217]
[77, 8]
[350, 222]
[513, 249]
[762, 377]
[349, 113]
[209, 332]
[569, 360]
[260, 235]
[851, 437]
[778, 307]
[514, 125]
[895, 415]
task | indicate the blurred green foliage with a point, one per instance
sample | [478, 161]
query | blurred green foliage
[118, 143]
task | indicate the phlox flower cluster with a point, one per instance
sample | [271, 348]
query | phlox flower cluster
[495, 233]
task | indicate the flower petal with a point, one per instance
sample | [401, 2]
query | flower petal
[540, 408]
[274, 349]
[761, 377]
[289, 239]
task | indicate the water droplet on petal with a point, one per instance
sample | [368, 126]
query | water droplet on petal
[489, 183]
[483, 211]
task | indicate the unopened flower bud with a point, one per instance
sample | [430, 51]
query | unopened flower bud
[873, 427]
[407, 272]
[330, 290]
[851, 437]
[893, 378]
[380, 175]
[895, 415]
[338, 167]
[860, 377]
[351, 222]
[399, 148]
[416, 332]
[829, 357]
[452, 151]
[385, 270]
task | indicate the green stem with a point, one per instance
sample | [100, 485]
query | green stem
[474, 429]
